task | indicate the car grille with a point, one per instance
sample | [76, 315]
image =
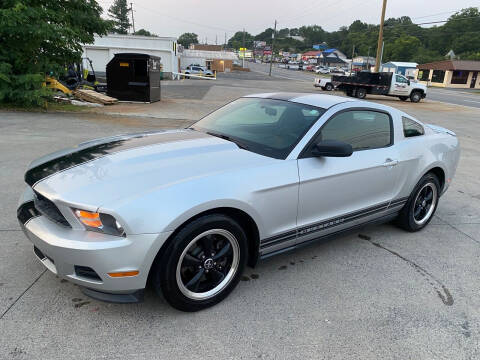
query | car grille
[49, 209]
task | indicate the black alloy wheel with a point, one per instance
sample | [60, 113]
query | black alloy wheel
[202, 262]
[421, 205]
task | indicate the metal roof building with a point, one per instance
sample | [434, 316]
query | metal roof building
[400, 67]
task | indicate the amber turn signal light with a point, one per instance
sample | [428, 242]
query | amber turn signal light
[124, 273]
[89, 218]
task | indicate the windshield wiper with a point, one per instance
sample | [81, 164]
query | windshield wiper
[228, 138]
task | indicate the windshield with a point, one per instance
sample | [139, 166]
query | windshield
[265, 126]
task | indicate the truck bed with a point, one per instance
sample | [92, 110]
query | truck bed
[375, 83]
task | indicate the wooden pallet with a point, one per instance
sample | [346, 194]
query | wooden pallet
[95, 97]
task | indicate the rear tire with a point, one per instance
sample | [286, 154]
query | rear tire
[361, 93]
[202, 264]
[415, 96]
[329, 87]
[421, 205]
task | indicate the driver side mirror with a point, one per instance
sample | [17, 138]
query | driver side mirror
[332, 148]
[408, 81]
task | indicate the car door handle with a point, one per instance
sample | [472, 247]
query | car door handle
[390, 162]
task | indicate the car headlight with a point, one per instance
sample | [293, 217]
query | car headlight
[99, 222]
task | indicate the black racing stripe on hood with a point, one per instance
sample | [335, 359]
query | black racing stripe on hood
[83, 155]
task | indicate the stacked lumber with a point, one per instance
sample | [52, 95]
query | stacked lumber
[95, 97]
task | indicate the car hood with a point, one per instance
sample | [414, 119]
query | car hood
[102, 171]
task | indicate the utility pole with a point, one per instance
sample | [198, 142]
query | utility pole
[380, 38]
[216, 39]
[368, 59]
[381, 54]
[273, 44]
[353, 54]
[133, 19]
[243, 47]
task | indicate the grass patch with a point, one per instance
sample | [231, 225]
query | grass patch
[49, 107]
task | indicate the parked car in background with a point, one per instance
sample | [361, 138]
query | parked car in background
[198, 70]
[337, 71]
[324, 83]
[321, 69]
[188, 209]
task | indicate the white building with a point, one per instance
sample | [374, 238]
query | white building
[104, 48]
[400, 67]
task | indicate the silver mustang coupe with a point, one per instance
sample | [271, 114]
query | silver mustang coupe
[188, 209]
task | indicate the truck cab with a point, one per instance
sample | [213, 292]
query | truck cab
[405, 88]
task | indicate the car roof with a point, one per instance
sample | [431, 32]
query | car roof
[318, 100]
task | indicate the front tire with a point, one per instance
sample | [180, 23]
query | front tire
[421, 205]
[415, 96]
[202, 264]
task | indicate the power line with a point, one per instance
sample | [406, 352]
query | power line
[432, 15]
[307, 11]
[185, 21]
[434, 22]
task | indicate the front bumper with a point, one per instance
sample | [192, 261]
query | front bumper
[64, 251]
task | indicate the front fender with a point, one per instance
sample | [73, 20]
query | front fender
[268, 194]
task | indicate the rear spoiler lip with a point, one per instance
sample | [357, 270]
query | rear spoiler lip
[440, 129]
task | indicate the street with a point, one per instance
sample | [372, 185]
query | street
[378, 293]
[457, 97]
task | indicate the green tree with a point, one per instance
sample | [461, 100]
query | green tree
[188, 38]
[143, 32]
[236, 41]
[119, 12]
[313, 35]
[39, 36]
[402, 49]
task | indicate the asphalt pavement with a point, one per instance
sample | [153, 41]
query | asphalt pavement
[457, 97]
[377, 293]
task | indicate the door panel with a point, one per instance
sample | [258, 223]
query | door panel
[338, 192]
[400, 85]
[332, 188]
[474, 79]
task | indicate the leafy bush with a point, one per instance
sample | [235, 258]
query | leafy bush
[41, 36]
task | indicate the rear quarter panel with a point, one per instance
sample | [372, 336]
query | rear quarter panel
[418, 155]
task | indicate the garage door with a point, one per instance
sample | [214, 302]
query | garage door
[100, 59]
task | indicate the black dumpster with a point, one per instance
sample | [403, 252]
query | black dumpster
[134, 77]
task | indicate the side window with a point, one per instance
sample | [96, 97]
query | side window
[401, 79]
[362, 129]
[411, 128]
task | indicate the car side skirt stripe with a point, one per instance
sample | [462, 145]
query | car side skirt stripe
[327, 237]
[326, 224]
[90, 153]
